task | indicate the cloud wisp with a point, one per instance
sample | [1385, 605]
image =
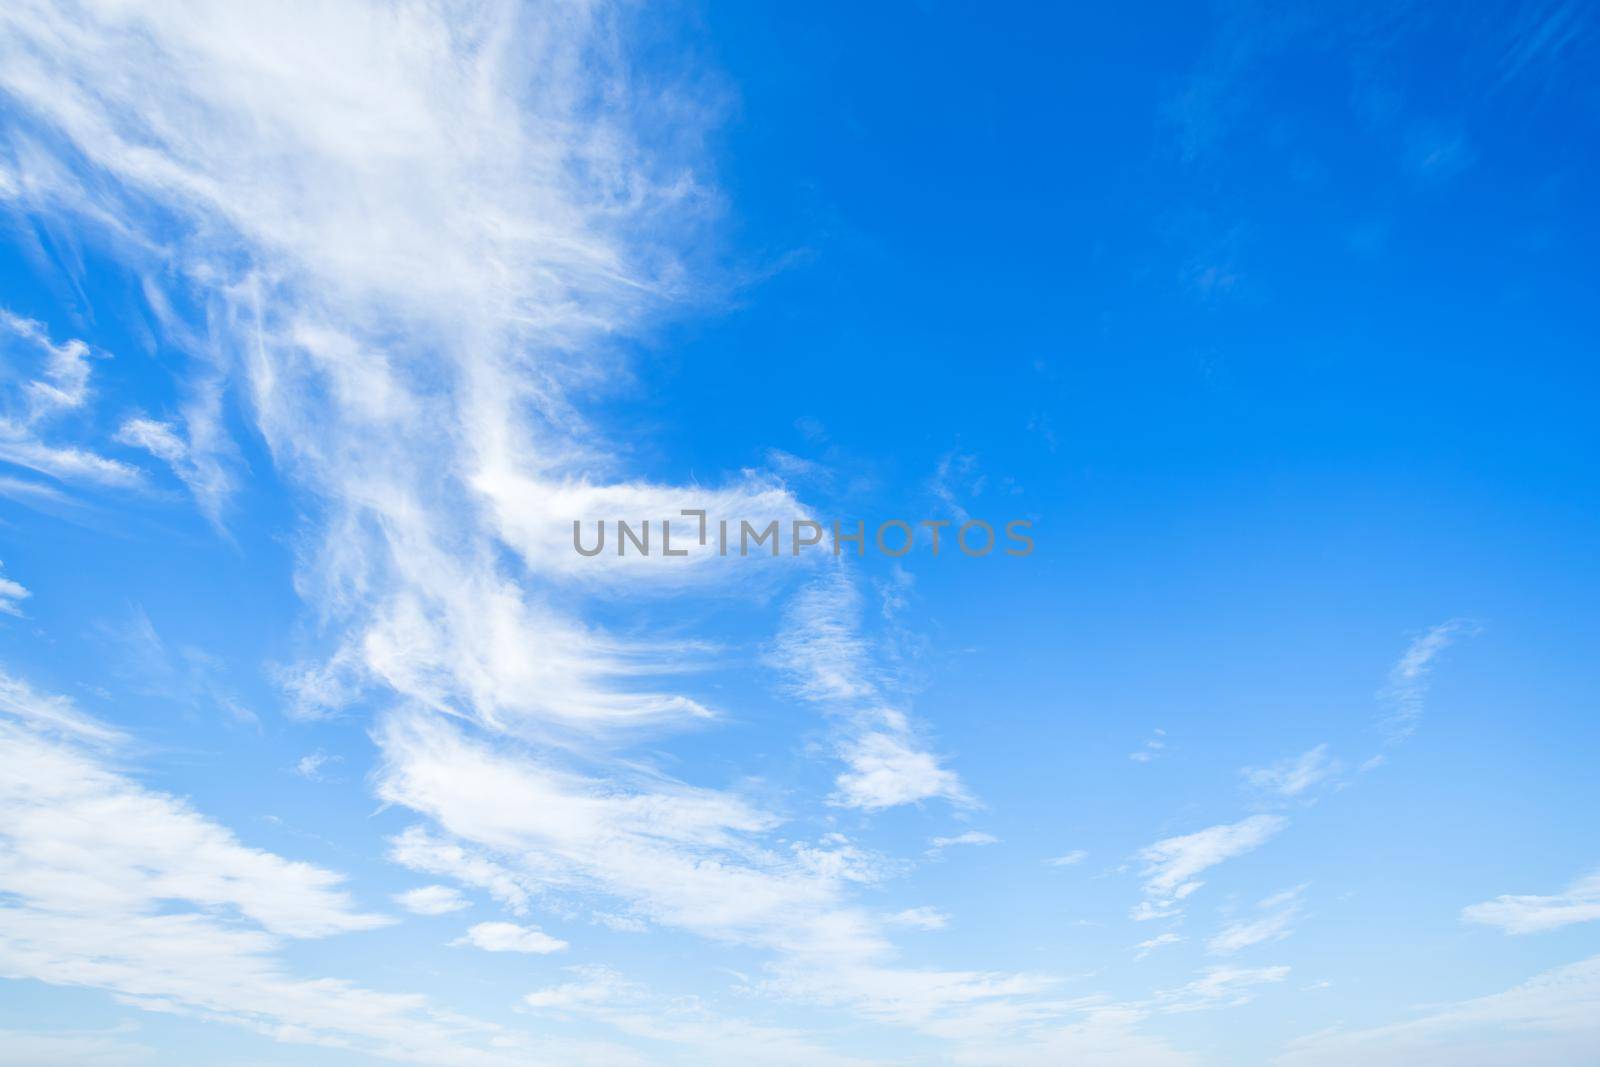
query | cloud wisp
[109, 885]
[1577, 903]
[1173, 864]
[1274, 923]
[827, 662]
[1408, 679]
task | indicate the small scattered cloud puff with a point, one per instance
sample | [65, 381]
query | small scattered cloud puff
[920, 919]
[1152, 748]
[432, 900]
[12, 594]
[509, 937]
[310, 765]
[1070, 859]
[971, 837]
[887, 769]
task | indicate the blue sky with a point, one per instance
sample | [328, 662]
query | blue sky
[321, 325]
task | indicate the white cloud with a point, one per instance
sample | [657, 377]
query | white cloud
[1220, 987]
[108, 885]
[920, 919]
[1152, 748]
[820, 650]
[622, 924]
[432, 900]
[969, 837]
[677, 855]
[598, 985]
[419, 248]
[61, 388]
[1295, 775]
[682, 1023]
[157, 438]
[1172, 864]
[310, 765]
[56, 714]
[418, 253]
[1159, 941]
[826, 661]
[1552, 1020]
[1274, 924]
[956, 477]
[202, 469]
[509, 937]
[1070, 859]
[682, 858]
[887, 769]
[12, 594]
[36, 1048]
[414, 258]
[144, 846]
[1578, 903]
[420, 851]
[180, 672]
[1408, 679]
[1106, 1036]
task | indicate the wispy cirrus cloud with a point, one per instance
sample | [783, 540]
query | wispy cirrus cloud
[52, 713]
[1274, 923]
[113, 1048]
[1408, 679]
[12, 594]
[405, 321]
[1551, 1020]
[684, 1026]
[1221, 987]
[682, 858]
[827, 661]
[110, 885]
[937, 845]
[1173, 864]
[1577, 903]
[197, 451]
[1293, 776]
[33, 407]
[1069, 859]
[419, 233]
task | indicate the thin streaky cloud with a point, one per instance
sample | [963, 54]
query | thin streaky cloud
[1408, 679]
[1172, 865]
[1577, 903]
